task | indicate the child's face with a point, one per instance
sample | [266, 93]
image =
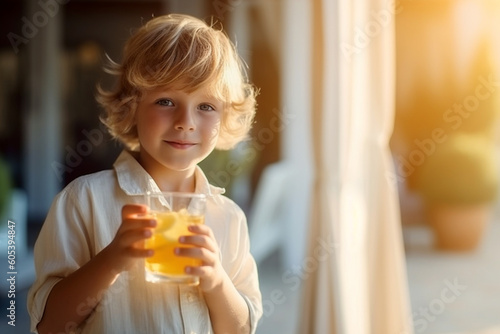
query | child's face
[176, 129]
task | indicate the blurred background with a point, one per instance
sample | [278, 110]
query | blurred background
[444, 144]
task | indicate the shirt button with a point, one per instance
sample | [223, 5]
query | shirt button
[190, 297]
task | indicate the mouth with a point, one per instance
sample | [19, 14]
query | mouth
[180, 145]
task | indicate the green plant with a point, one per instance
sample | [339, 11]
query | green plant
[461, 170]
[5, 187]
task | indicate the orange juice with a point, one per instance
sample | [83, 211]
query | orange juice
[170, 226]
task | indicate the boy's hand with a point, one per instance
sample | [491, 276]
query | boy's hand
[127, 245]
[206, 249]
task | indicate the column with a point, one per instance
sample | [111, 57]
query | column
[42, 111]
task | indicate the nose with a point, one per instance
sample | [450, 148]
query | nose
[185, 120]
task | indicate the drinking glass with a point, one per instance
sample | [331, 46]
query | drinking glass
[174, 212]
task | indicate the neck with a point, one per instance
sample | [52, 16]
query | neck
[168, 179]
[178, 181]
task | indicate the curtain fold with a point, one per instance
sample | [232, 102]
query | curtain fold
[360, 286]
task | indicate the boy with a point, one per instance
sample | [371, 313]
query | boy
[181, 93]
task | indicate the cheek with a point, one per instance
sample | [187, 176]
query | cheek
[147, 121]
[146, 127]
[214, 131]
[141, 124]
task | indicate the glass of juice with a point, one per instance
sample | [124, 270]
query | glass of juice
[174, 212]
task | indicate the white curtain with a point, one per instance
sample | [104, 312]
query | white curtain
[357, 283]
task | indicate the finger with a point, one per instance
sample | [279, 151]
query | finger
[201, 271]
[133, 237]
[199, 240]
[132, 210]
[139, 253]
[138, 223]
[201, 229]
[207, 257]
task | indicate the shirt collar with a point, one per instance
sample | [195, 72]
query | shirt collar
[134, 180]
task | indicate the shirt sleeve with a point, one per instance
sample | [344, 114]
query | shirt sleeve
[62, 247]
[241, 267]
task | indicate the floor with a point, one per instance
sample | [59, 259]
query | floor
[280, 303]
[451, 293]
[473, 307]
[454, 292]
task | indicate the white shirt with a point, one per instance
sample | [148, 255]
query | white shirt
[84, 218]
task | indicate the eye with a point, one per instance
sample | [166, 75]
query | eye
[206, 107]
[165, 102]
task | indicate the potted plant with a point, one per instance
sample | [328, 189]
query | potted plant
[458, 183]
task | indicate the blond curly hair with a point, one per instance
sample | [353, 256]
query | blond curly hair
[181, 52]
